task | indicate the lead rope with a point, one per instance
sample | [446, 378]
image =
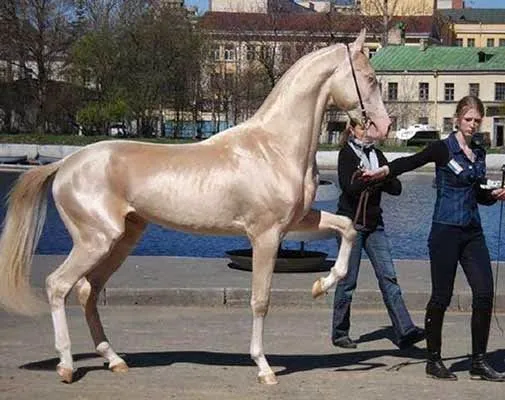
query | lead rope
[497, 270]
[362, 203]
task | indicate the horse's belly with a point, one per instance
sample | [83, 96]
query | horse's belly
[191, 215]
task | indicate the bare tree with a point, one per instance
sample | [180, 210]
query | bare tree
[39, 37]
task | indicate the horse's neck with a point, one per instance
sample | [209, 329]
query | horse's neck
[294, 110]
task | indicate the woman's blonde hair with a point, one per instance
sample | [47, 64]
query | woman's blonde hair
[469, 102]
[344, 136]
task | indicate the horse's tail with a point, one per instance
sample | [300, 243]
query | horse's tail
[26, 213]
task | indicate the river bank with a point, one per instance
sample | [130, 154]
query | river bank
[326, 160]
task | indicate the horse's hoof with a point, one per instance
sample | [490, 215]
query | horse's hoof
[121, 367]
[317, 289]
[269, 379]
[65, 374]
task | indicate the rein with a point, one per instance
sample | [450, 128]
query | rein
[364, 114]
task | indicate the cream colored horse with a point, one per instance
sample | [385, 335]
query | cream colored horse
[258, 178]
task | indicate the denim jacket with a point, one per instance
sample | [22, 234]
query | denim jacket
[457, 185]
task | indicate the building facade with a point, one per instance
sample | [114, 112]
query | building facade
[424, 84]
[249, 52]
[477, 27]
[397, 7]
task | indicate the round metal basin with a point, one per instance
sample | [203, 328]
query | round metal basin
[287, 260]
[295, 260]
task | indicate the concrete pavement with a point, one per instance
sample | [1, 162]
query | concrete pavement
[203, 353]
[210, 282]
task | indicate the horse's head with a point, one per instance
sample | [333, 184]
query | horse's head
[344, 87]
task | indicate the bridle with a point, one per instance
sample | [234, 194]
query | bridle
[364, 115]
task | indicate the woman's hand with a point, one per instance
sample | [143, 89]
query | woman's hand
[499, 194]
[375, 174]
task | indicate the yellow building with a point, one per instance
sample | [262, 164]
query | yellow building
[473, 27]
[397, 7]
[423, 85]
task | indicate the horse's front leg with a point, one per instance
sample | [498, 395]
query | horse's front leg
[264, 255]
[317, 220]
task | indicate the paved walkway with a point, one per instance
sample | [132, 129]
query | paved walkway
[203, 354]
[180, 281]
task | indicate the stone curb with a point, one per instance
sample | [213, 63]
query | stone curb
[240, 298]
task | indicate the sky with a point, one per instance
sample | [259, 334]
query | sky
[203, 5]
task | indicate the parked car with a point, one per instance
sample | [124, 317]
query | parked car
[418, 134]
[118, 129]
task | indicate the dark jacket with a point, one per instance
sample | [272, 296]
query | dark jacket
[348, 163]
[457, 193]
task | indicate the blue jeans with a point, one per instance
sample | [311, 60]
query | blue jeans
[377, 247]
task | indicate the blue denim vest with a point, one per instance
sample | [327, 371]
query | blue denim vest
[456, 202]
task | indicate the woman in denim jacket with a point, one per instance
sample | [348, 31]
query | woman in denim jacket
[456, 234]
[354, 156]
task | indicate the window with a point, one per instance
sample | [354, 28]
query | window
[473, 89]
[470, 42]
[214, 53]
[448, 125]
[266, 52]
[215, 81]
[449, 92]
[424, 91]
[229, 52]
[394, 123]
[423, 120]
[459, 42]
[228, 80]
[250, 52]
[286, 54]
[499, 91]
[392, 91]
[490, 42]
[501, 42]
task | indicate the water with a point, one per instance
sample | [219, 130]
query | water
[407, 219]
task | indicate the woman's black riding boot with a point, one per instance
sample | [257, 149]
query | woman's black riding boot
[480, 369]
[435, 368]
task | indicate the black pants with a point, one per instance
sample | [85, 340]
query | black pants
[449, 245]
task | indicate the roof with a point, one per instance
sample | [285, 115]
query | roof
[476, 15]
[287, 6]
[441, 58]
[310, 22]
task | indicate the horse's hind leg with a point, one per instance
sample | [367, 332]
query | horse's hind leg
[87, 253]
[88, 290]
[264, 256]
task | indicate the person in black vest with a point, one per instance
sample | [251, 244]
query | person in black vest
[361, 202]
[456, 233]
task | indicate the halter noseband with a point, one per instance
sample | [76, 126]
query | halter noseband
[366, 119]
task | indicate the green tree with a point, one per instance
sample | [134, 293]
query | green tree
[151, 62]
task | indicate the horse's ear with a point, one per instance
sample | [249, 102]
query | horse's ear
[360, 41]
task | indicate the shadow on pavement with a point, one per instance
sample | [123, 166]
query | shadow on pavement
[343, 361]
[495, 359]
[50, 365]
